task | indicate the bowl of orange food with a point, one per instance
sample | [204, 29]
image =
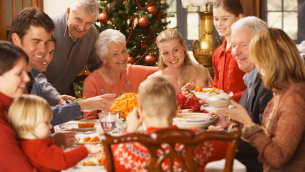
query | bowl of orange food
[203, 93]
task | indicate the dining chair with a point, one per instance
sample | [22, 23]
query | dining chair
[172, 136]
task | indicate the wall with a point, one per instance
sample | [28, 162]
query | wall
[52, 7]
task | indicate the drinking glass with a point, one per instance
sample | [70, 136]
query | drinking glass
[107, 121]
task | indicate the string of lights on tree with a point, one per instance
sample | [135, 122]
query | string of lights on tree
[140, 21]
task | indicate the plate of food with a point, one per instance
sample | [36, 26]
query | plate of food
[193, 120]
[204, 93]
[87, 140]
[90, 164]
[79, 126]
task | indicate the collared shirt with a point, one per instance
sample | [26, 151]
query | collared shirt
[249, 79]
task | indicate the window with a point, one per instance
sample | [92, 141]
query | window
[287, 15]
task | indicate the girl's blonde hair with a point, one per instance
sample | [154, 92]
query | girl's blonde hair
[191, 70]
[170, 34]
[277, 55]
[26, 112]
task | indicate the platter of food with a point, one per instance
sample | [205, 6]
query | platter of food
[87, 140]
[78, 126]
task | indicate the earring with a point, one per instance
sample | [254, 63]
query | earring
[262, 72]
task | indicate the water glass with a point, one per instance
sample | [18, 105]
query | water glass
[107, 121]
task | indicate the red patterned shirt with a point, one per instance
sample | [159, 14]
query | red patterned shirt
[133, 156]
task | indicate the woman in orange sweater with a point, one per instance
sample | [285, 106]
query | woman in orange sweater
[116, 76]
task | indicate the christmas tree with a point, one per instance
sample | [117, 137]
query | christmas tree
[140, 21]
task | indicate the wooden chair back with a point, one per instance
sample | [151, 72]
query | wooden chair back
[172, 136]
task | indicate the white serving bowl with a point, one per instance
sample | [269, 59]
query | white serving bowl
[193, 120]
[202, 95]
[218, 102]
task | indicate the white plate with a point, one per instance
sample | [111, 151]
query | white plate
[193, 120]
[79, 165]
[81, 139]
[75, 127]
[212, 109]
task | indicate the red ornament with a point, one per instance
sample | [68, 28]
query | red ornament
[150, 60]
[152, 9]
[143, 22]
[130, 60]
[103, 17]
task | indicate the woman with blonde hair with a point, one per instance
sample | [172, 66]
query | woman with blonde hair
[280, 139]
[173, 55]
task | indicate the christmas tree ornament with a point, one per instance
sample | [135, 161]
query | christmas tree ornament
[143, 22]
[103, 17]
[130, 60]
[152, 9]
[150, 60]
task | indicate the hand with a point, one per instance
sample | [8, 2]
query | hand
[63, 99]
[185, 90]
[102, 102]
[96, 151]
[219, 91]
[239, 113]
[215, 128]
[202, 101]
[64, 138]
[133, 120]
[187, 111]
[220, 122]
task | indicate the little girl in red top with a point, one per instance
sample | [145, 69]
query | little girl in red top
[195, 74]
[30, 116]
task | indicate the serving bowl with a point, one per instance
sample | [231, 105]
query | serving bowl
[202, 95]
[218, 102]
[193, 120]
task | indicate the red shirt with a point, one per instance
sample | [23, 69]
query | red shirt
[227, 75]
[133, 156]
[47, 157]
[12, 157]
[186, 103]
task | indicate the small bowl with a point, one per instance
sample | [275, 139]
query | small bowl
[193, 120]
[218, 102]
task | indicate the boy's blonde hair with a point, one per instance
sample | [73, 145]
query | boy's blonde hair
[170, 34]
[26, 112]
[157, 98]
[191, 70]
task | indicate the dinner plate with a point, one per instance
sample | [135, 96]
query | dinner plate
[80, 166]
[213, 109]
[75, 127]
[81, 143]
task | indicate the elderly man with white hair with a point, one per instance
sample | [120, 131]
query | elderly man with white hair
[75, 46]
[256, 96]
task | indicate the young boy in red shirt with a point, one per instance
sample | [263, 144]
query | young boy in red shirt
[157, 108]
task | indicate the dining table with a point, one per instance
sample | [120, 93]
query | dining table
[215, 166]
